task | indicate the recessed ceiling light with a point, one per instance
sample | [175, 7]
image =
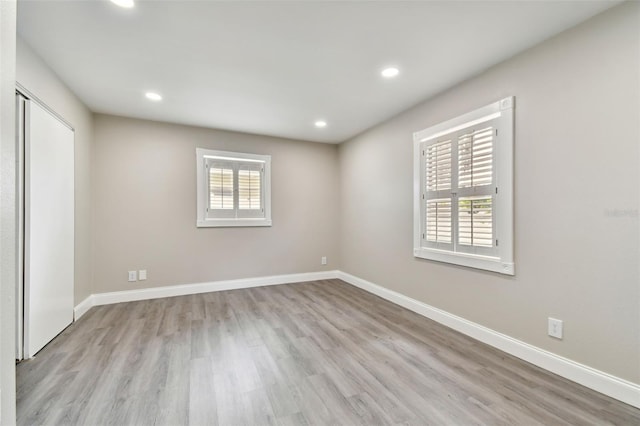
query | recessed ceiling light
[390, 72]
[320, 123]
[127, 4]
[153, 96]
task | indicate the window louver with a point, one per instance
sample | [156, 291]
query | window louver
[249, 190]
[438, 166]
[438, 218]
[221, 188]
[475, 221]
[475, 158]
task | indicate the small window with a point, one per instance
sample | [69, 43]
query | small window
[233, 189]
[463, 174]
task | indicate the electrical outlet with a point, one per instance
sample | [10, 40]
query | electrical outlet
[555, 328]
[133, 276]
[142, 274]
[323, 260]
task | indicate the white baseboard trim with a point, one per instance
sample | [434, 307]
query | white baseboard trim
[599, 381]
[83, 307]
[185, 289]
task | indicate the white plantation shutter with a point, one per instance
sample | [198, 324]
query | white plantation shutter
[249, 187]
[438, 222]
[221, 186]
[235, 189]
[458, 190]
[437, 192]
[250, 194]
[438, 166]
[475, 189]
[475, 221]
[475, 158]
[463, 189]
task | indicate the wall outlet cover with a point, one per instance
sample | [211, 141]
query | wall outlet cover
[555, 328]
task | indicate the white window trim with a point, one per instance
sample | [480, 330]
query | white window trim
[202, 188]
[503, 112]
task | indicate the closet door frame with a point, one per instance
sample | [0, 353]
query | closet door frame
[21, 120]
[45, 304]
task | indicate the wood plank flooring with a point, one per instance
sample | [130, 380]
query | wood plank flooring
[311, 353]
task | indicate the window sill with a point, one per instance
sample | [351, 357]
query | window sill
[231, 223]
[486, 263]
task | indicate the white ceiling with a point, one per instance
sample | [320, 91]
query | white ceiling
[274, 68]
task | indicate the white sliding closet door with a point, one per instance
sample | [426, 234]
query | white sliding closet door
[49, 228]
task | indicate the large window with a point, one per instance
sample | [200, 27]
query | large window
[463, 185]
[233, 189]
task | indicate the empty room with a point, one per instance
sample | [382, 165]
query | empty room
[319, 212]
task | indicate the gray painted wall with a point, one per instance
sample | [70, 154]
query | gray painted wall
[576, 189]
[39, 79]
[144, 204]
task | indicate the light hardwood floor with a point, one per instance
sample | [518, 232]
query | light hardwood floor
[312, 353]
